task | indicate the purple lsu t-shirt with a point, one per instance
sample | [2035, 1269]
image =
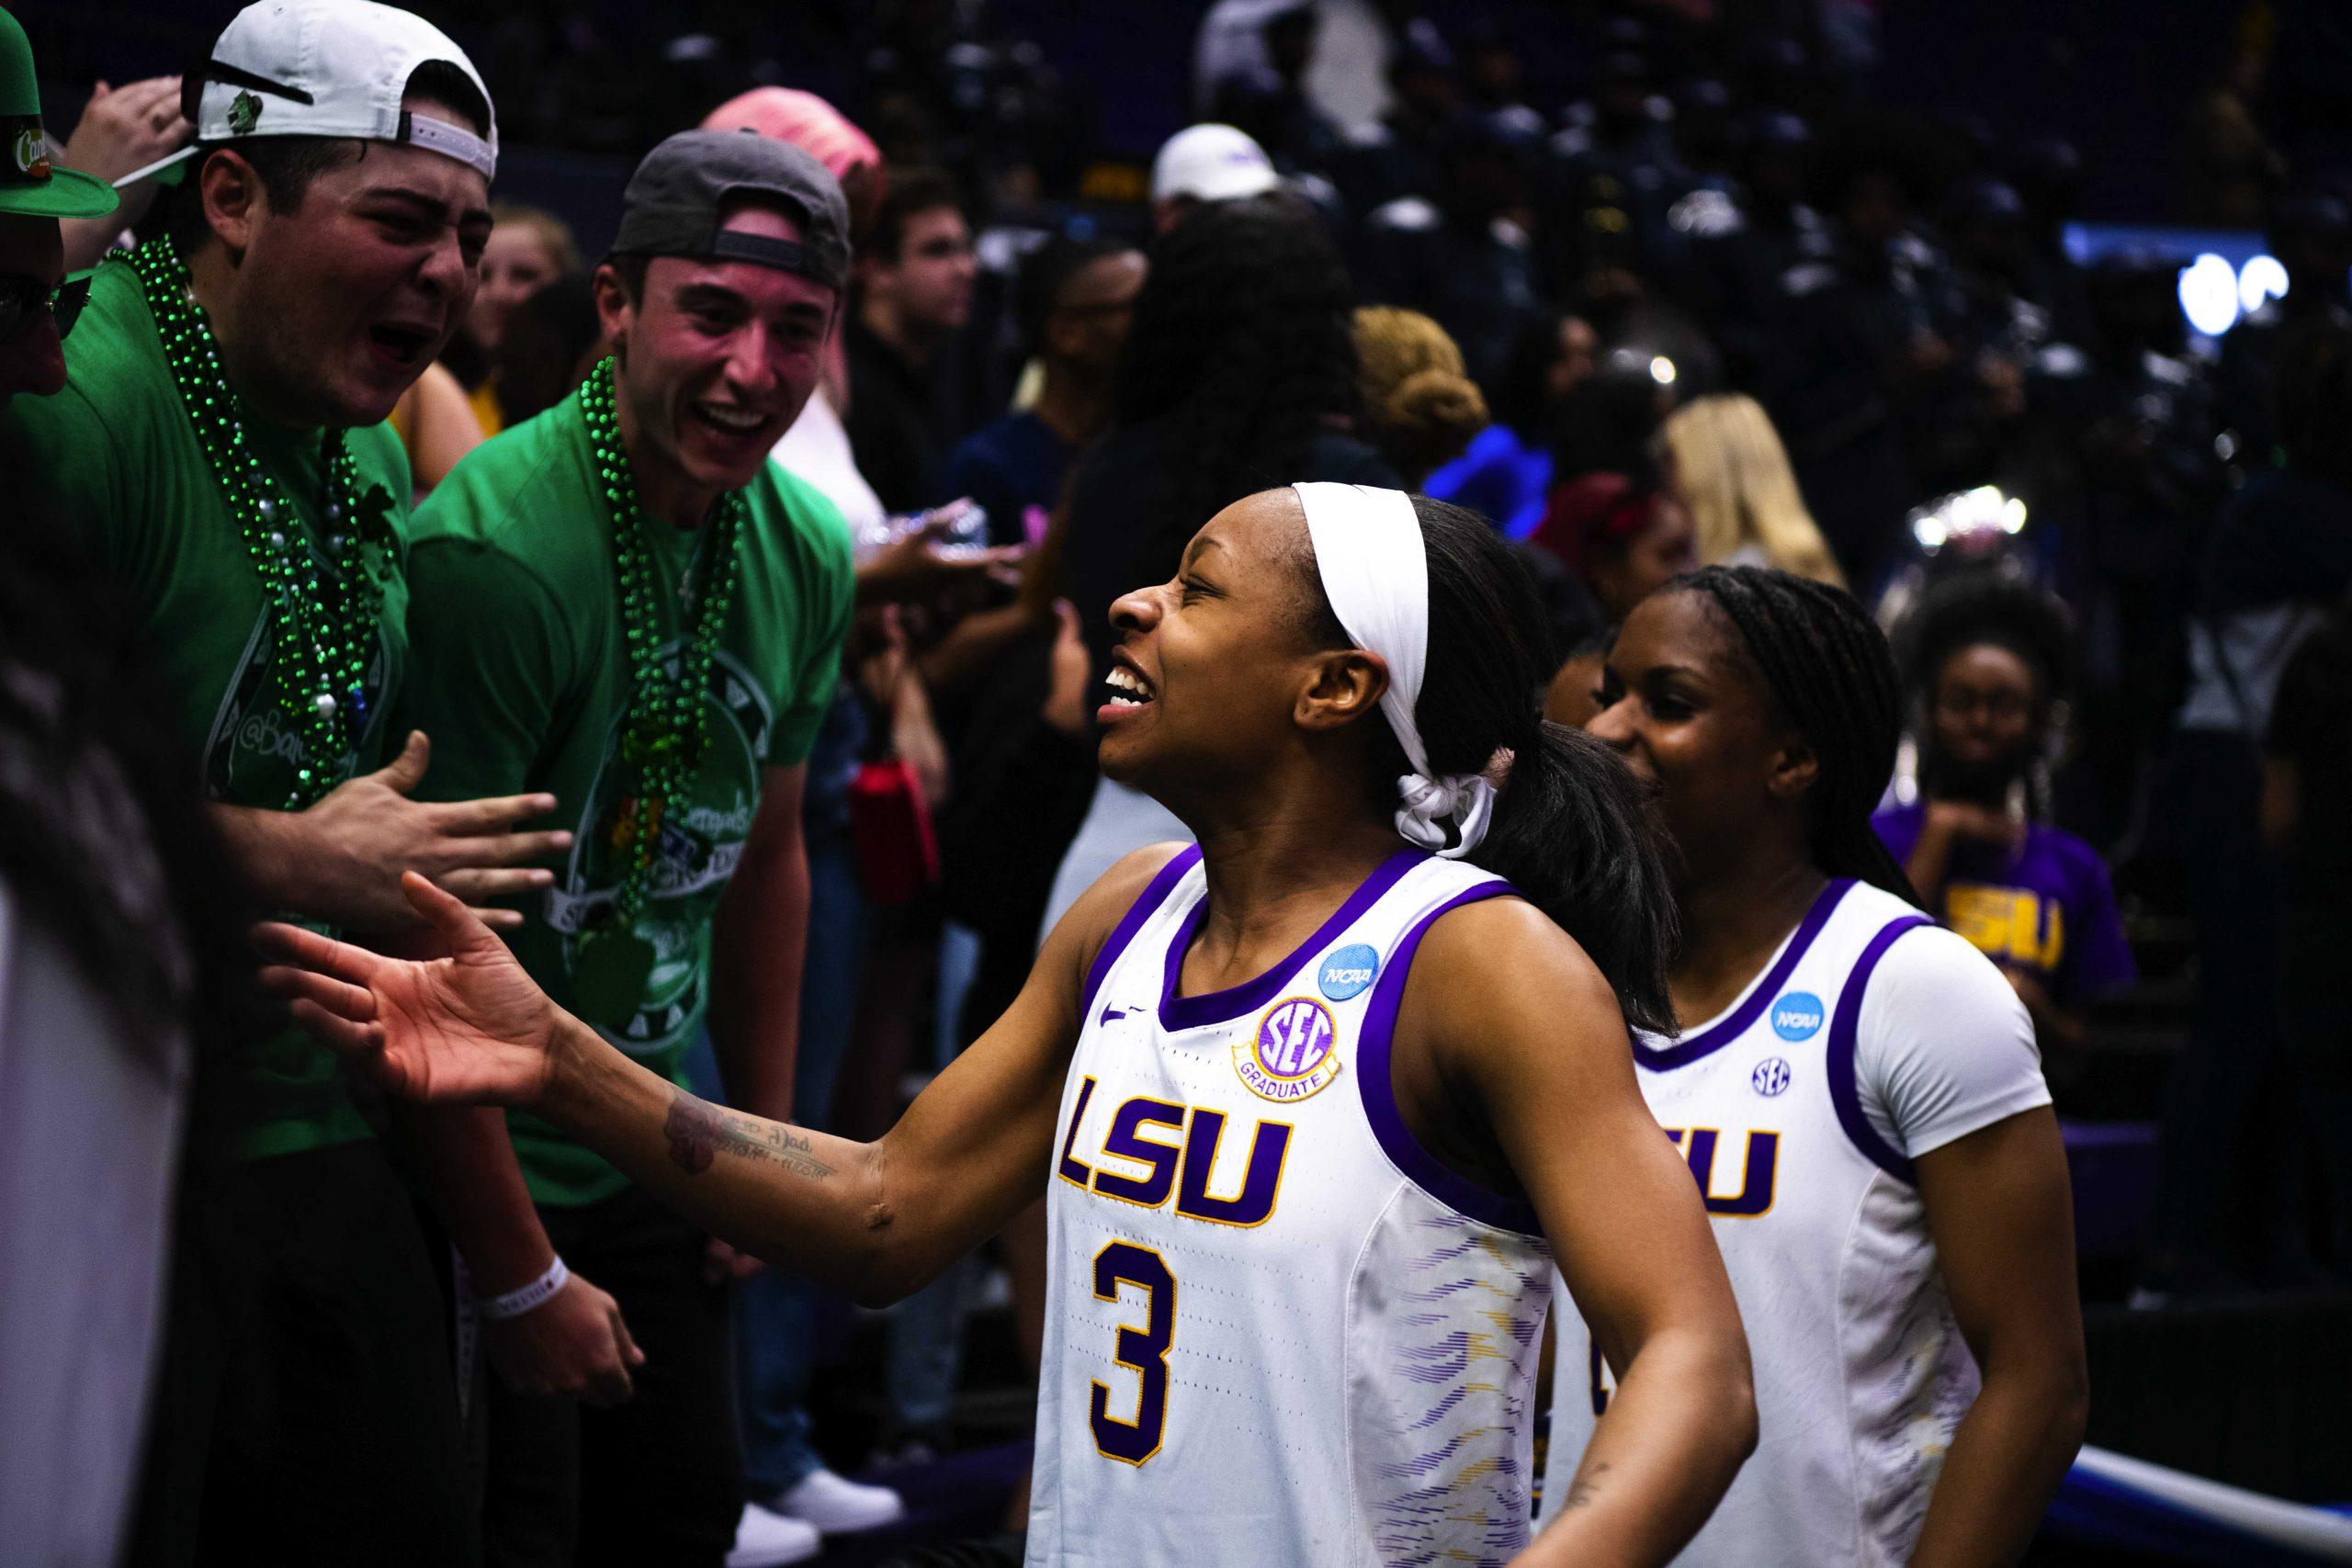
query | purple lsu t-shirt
[2049, 909]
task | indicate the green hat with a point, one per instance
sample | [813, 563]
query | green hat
[29, 186]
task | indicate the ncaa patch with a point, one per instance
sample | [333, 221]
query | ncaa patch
[1798, 1015]
[1291, 1055]
[1347, 971]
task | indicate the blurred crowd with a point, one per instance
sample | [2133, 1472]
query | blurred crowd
[1720, 305]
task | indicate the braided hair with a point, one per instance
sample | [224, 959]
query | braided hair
[1828, 667]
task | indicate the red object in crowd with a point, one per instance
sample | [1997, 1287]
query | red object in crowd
[897, 853]
[1590, 511]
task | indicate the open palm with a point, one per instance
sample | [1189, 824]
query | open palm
[469, 1028]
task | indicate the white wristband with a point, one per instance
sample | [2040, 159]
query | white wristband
[515, 1303]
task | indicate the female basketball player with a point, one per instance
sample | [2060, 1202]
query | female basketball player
[1307, 1100]
[1858, 1094]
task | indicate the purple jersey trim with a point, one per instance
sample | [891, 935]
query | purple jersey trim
[1423, 1168]
[1844, 1028]
[1219, 1007]
[1704, 1044]
[1155, 893]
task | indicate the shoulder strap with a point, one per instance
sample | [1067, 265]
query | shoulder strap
[1146, 905]
[1377, 1091]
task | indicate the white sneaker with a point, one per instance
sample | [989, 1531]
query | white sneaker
[838, 1505]
[764, 1538]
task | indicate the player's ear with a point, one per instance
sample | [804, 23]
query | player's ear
[1342, 685]
[1795, 766]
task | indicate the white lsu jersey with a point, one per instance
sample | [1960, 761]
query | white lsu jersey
[1799, 1110]
[1278, 1330]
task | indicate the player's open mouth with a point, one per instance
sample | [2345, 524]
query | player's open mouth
[1128, 692]
[1128, 689]
[405, 346]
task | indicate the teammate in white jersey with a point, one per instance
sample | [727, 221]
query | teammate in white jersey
[1858, 1094]
[1317, 1102]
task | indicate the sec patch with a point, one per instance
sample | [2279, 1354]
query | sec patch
[1291, 1055]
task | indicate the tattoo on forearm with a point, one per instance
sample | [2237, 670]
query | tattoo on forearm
[699, 1133]
[1581, 1491]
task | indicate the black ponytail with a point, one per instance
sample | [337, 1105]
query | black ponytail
[1828, 667]
[1571, 830]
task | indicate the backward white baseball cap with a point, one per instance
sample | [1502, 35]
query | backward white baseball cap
[333, 68]
[1212, 163]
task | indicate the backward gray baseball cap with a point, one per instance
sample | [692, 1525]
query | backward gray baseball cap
[673, 204]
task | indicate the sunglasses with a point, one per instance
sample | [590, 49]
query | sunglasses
[23, 298]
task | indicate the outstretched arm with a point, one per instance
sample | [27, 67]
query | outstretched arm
[1527, 1037]
[878, 1218]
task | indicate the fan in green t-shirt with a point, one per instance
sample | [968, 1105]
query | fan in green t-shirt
[219, 455]
[625, 606]
[662, 680]
[219, 452]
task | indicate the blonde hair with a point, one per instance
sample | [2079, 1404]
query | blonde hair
[1732, 471]
[1423, 407]
[553, 233]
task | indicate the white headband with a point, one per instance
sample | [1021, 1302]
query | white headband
[1376, 572]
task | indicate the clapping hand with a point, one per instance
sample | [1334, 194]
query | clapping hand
[368, 831]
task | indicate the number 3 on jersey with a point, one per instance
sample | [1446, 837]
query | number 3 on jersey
[1145, 1349]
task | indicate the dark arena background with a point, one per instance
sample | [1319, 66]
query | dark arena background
[2029, 324]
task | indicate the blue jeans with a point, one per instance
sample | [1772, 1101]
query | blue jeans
[925, 1354]
[926, 1350]
[782, 1317]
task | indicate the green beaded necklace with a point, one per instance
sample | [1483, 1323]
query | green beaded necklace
[323, 618]
[666, 732]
